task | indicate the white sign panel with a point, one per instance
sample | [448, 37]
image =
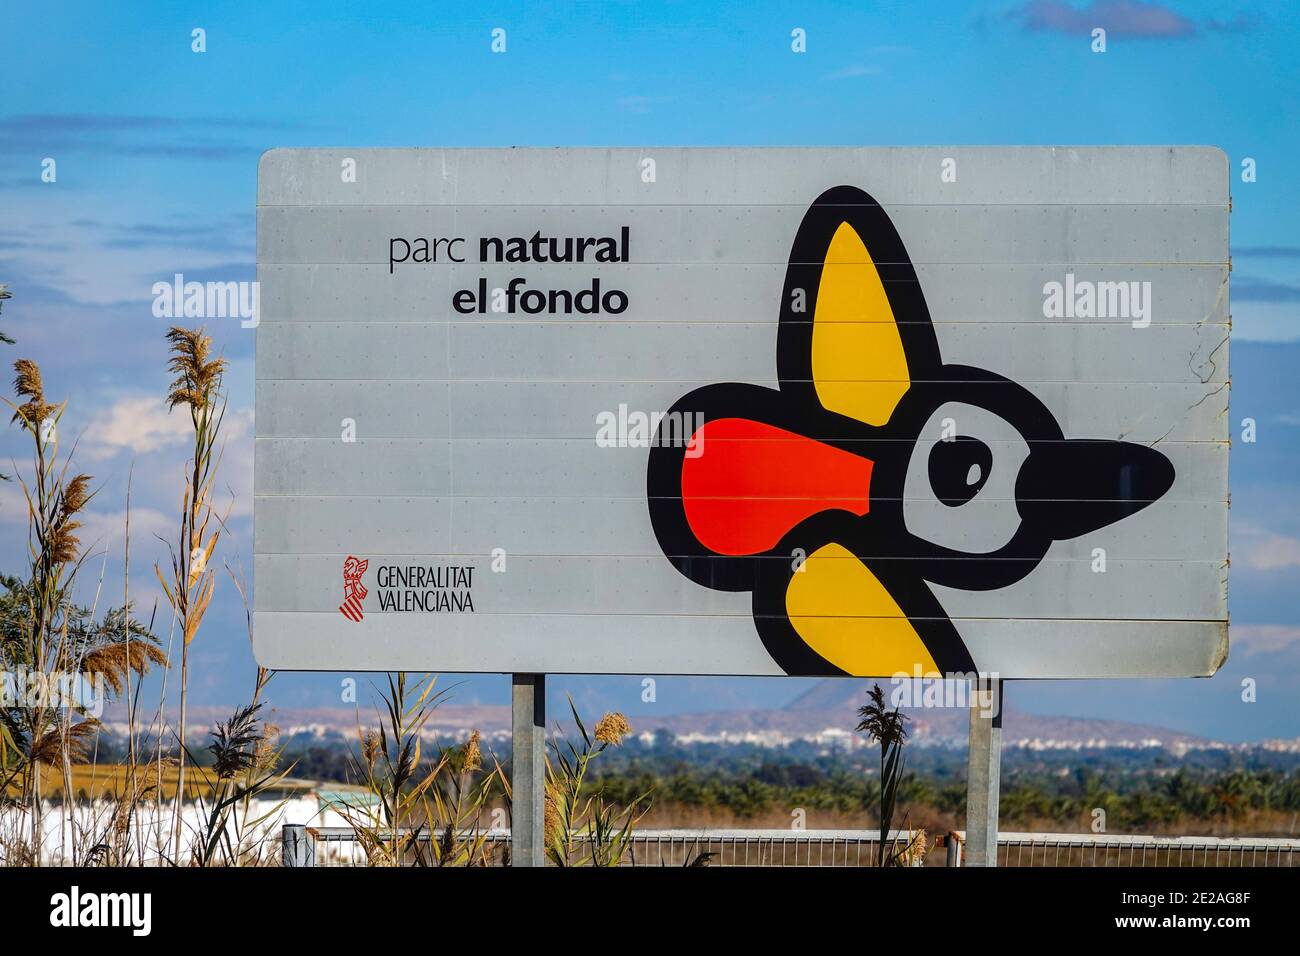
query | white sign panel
[743, 411]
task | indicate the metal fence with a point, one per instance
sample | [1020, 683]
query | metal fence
[1088, 849]
[337, 846]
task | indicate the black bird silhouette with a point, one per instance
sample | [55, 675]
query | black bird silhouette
[875, 470]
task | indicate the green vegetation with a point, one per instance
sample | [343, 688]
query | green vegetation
[582, 829]
[1244, 791]
[1186, 799]
[52, 648]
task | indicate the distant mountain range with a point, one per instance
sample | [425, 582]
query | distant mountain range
[826, 714]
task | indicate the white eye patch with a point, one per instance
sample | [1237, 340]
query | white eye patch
[960, 490]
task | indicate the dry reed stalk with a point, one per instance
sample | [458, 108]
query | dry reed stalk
[54, 502]
[197, 386]
[581, 829]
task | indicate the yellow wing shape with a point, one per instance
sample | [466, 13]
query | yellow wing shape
[858, 362]
[843, 612]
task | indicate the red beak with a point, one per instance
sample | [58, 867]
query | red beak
[745, 484]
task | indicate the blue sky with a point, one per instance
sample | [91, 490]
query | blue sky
[157, 152]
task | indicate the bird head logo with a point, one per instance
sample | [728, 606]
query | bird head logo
[875, 470]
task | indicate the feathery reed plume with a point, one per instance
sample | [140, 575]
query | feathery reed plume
[266, 756]
[198, 375]
[28, 385]
[234, 743]
[62, 538]
[27, 380]
[612, 728]
[914, 853]
[472, 756]
[48, 747]
[550, 818]
[192, 583]
[370, 748]
[113, 662]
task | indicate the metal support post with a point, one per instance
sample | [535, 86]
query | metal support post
[528, 776]
[984, 771]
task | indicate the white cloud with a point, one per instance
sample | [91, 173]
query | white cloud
[98, 253]
[1260, 638]
[1265, 322]
[138, 423]
[1265, 551]
[107, 529]
[13, 504]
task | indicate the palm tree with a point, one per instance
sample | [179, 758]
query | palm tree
[887, 728]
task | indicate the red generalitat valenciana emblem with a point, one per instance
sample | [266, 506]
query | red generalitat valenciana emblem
[354, 592]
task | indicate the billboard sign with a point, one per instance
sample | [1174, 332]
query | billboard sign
[743, 411]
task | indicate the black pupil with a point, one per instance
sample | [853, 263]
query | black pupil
[959, 468]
